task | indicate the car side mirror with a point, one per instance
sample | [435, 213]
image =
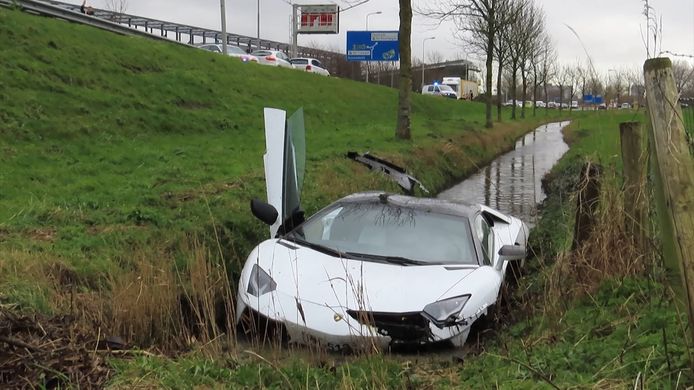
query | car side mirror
[264, 211]
[510, 252]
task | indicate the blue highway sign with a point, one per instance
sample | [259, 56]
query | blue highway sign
[373, 46]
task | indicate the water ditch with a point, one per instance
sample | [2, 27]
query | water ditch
[512, 182]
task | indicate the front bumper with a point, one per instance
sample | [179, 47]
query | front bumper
[338, 328]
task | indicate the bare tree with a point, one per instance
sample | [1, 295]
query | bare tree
[402, 130]
[117, 7]
[684, 75]
[529, 27]
[543, 67]
[435, 57]
[481, 20]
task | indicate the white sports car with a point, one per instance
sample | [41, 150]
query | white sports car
[372, 269]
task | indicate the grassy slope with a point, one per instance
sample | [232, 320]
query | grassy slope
[118, 147]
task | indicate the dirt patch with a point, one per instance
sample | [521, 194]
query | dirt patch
[52, 352]
[191, 104]
[43, 234]
[206, 190]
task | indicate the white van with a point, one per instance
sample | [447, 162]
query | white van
[440, 90]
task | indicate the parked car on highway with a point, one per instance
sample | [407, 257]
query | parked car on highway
[540, 104]
[233, 51]
[273, 58]
[574, 104]
[552, 105]
[309, 65]
[625, 106]
[372, 269]
[439, 90]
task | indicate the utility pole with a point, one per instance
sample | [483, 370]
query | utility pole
[425, 39]
[295, 31]
[224, 26]
[258, 25]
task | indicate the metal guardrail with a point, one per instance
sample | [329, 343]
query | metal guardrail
[42, 8]
[123, 23]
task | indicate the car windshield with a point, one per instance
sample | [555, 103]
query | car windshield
[446, 88]
[385, 232]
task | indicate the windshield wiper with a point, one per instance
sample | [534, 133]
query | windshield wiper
[399, 260]
[320, 248]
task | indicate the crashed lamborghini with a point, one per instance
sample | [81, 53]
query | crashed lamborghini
[372, 269]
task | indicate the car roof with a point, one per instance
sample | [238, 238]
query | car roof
[428, 204]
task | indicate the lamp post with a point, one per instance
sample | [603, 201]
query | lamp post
[609, 82]
[258, 24]
[367, 29]
[425, 39]
[224, 25]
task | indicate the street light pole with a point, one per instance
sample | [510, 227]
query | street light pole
[425, 39]
[367, 29]
[258, 24]
[224, 25]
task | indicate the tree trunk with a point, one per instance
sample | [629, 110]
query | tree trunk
[534, 96]
[513, 90]
[490, 58]
[500, 68]
[405, 96]
[546, 97]
[524, 80]
[561, 97]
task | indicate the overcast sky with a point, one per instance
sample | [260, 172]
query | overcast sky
[609, 29]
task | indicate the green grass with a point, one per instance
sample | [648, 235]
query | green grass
[112, 146]
[116, 149]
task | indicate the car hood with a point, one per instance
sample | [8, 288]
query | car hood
[323, 279]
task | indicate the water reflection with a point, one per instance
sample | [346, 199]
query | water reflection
[511, 183]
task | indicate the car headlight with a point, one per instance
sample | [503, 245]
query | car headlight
[445, 312]
[260, 282]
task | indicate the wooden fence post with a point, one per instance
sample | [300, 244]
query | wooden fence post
[675, 168]
[587, 203]
[634, 168]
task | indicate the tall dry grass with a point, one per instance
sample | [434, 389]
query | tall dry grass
[157, 304]
[610, 252]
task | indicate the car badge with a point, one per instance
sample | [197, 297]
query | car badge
[337, 317]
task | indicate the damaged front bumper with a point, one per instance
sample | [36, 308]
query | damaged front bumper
[340, 328]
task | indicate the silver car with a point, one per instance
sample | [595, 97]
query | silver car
[273, 58]
[232, 51]
[309, 65]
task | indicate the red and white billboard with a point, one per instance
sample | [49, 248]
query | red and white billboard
[319, 19]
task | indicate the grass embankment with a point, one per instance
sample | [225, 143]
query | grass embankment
[591, 318]
[119, 149]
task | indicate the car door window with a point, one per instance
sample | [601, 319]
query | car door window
[486, 237]
[431, 88]
[317, 63]
[436, 89]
